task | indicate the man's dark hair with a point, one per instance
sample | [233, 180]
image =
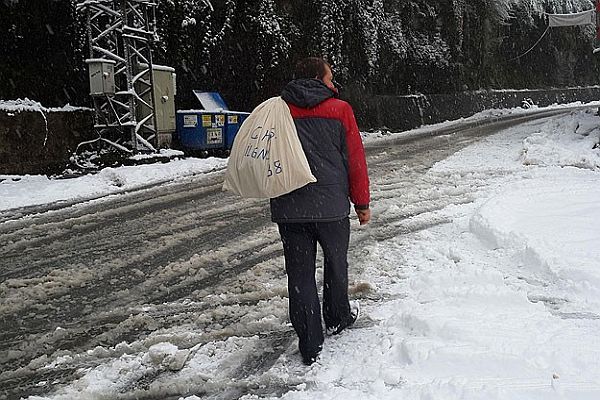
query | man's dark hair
[311, 67]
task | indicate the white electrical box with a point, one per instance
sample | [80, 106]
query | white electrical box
[102, 76]
[164, 98]
[164, 103]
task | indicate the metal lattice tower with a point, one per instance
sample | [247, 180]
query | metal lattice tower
[123, 32]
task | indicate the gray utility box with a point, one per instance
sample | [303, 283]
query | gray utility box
[102, 76]
[164, 103]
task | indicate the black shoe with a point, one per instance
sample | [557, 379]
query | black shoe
[354, 314]
[310, 357]
[309, 360]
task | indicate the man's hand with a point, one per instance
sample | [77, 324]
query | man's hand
[364, 216]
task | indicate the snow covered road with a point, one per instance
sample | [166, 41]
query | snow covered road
[179, 290]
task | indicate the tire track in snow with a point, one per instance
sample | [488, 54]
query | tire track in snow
[108, 297]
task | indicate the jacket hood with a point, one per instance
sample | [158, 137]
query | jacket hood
[306, 93]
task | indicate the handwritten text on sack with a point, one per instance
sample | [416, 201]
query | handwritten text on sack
[260, 150]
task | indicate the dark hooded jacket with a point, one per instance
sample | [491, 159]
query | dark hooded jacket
[331, 141]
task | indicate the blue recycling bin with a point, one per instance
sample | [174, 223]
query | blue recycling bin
[208, 129]
[201, 130]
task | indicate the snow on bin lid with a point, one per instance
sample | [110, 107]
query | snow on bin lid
[211, 101]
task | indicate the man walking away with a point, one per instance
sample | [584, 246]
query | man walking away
[318, 212]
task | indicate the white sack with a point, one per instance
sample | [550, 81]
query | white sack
[580, 18]
[267, 159]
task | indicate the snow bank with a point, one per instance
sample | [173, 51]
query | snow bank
[567, 141]
[20, 191]
[170, 153]
[20, 105]
[551, 222]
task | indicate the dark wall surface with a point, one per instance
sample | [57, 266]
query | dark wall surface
[407, 112]
[35, 142]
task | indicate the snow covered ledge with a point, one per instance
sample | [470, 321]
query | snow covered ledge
[39, 140]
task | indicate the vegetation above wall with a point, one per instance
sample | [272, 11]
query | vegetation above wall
[245, 48]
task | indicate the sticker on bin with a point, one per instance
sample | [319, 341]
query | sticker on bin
[232, 119]
[220, 120]
[214, 136]
[206, 121]
[190, 121]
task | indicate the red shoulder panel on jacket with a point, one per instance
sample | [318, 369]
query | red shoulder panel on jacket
[330, 108]
[358, 174]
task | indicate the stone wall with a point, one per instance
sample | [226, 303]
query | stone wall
[407, 112]
[41, 141]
